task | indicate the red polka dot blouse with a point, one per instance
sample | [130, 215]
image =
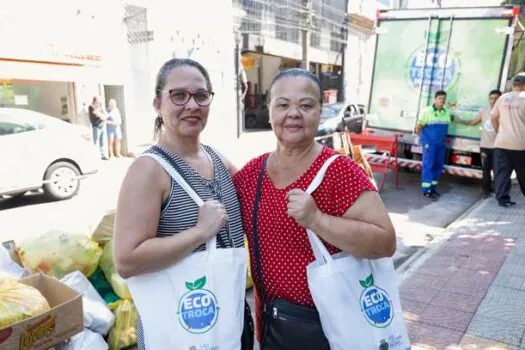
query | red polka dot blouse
[284, 246]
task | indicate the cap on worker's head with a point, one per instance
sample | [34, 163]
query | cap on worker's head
[519, 79]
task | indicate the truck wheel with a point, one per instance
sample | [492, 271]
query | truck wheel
[62, 181]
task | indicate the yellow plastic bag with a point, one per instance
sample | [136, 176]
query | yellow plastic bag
[124, 332]
[249, 280]
[58, 253]
[104, 231]
[107, 264]
[19, 301]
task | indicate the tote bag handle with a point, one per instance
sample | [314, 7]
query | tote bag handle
[319, 249]
[210, 244]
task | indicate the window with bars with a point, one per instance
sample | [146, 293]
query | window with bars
[284, 20]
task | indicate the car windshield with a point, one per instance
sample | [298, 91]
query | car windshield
[330, 111]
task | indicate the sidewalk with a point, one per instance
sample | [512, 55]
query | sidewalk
[469, 293]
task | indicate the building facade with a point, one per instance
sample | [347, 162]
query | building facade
[56, 63]
[114, 48]
[279, 34]
[202, 33]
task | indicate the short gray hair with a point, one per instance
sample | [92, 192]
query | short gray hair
[296, 72]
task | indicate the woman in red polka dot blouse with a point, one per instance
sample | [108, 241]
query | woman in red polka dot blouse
[345, 210]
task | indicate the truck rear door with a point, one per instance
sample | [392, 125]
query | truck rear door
[431, 51]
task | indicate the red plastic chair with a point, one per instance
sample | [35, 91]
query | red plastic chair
[387, 145]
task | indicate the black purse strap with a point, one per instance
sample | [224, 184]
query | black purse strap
[258, 194]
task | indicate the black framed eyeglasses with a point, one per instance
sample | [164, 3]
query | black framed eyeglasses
[180, 97]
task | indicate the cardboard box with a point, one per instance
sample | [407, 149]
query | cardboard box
[64, 320]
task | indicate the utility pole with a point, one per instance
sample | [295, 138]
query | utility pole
[305, 32]
[344, 34]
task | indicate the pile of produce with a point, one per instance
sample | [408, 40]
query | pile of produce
[19, 301]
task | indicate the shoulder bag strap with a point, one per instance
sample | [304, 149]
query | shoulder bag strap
[255, 233]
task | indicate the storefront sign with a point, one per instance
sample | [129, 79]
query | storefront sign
[49, 53]
[41, 34]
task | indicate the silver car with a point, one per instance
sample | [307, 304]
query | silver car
[339, 116]
[40, 151]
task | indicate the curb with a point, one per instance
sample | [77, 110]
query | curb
[405, 270]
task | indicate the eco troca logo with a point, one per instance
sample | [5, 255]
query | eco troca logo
[436, 67]
[198, 308]
[375, 304]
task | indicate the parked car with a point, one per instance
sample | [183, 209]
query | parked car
[40, 151]
[338, 116]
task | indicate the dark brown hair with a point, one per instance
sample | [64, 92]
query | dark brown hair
[162, 77]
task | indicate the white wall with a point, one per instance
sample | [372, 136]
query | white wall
[366, 8]
[358, 68]
[360, 54]
[177, 34]
[59, 29]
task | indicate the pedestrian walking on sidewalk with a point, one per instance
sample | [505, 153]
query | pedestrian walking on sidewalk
[488, 136]
[508, 118]
[97, 117]
[432, 129]
[158, 224]
[345, 210]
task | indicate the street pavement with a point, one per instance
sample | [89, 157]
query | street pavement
[419, 221]
[467, 291]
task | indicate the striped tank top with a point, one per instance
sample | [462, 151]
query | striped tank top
[180, 212]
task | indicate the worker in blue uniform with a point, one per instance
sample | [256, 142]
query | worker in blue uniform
[432, 129]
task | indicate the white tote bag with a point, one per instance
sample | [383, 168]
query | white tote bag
[198, 303]
[357, 299]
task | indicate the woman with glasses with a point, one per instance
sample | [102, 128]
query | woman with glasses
[157, 222]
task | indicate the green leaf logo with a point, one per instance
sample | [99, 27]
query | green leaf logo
[369, 281]
[198, 284]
